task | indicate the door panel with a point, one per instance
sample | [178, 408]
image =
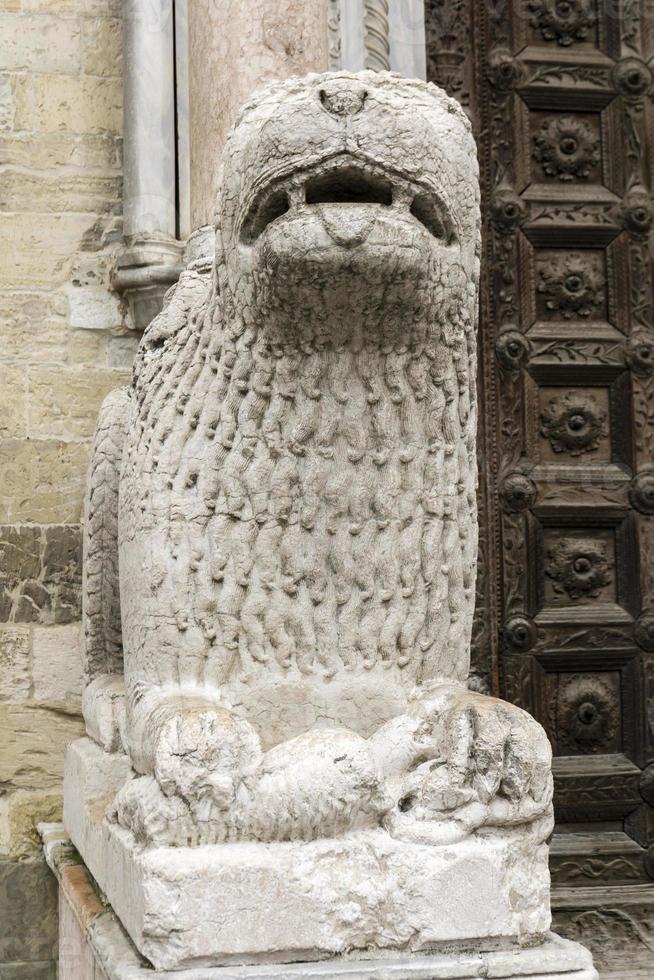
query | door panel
[560, 95]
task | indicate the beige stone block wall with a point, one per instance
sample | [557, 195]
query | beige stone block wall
[64, 343]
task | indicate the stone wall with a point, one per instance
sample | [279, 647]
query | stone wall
[64, 342]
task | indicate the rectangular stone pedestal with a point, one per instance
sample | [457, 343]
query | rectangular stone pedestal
[93, 946]
[243, 903]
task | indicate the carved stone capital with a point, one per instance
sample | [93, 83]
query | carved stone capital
[144, 273]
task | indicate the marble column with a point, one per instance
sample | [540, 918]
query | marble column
[234, 47]
[151, 261]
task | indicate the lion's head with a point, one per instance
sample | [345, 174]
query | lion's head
[350, 193]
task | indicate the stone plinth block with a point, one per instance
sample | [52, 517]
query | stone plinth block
[231, 903]
[97, 947]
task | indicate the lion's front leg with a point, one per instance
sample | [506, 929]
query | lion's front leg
[459, 761]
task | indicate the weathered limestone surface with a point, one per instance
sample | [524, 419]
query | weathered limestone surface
[64, 344]
[279, 568]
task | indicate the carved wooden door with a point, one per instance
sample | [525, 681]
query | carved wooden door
[560, 93]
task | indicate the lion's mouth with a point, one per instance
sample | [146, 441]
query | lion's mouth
[346, 183]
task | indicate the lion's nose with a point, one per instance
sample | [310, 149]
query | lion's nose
[343, 98]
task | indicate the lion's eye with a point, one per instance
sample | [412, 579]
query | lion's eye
[263, 214]
[425, 210]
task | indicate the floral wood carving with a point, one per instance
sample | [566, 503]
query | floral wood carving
[639, 355]
[520, 633]
[513, 349]
[563, 21]
[644, 631]
[574, 423]
[578, 568]
[571, 287]
[637, 215]
[566, 148]
[641, 492]
[517, 493]
[588, 714]
[632, 78]
[508, 210]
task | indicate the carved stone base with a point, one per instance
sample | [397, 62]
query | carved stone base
[93, 946]
[248, 902]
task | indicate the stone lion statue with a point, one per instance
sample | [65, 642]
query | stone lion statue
[281, 530]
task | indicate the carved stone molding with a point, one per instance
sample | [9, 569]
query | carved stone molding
[562, 21]
[588, 714]
[512, 349]
[641, 492]
[578, 568]
[376, 35]
[574, 423]
[517, 493]
[567, 148]
[571, 286]
[632, 78]
[520, 633]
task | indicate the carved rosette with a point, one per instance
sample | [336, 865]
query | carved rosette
[588, 714]
[647, 784]
[632, 78]
[503, 71]
[578, 568]
[566, 148]
[520, 633]
[512, 349]
[517, 493]
[574, 423]
[637, 215]
[571, 287]
[641, 492]
[644, 631]
[507, 211]
[639, 355]
[563, 21]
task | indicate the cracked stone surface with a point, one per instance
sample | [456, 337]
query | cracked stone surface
[280, 554]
